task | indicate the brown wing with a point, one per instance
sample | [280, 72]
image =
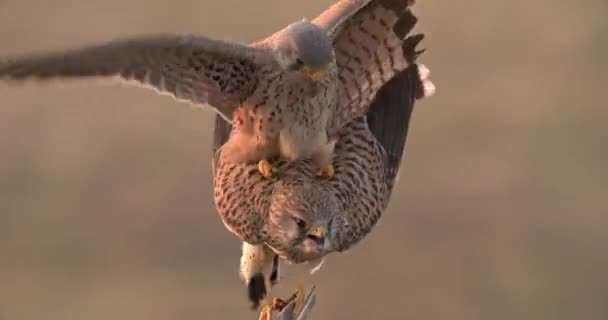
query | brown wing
[372, 44]
[191, 68]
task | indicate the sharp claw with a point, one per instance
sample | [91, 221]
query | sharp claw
[297, 298]
[288, 312]
[265, 168]
[326, 171]
[269, 306]
[279, 304]
[266, 311]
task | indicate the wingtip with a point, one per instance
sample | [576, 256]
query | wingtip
[410, 45]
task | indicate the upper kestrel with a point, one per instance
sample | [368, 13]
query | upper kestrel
[286, 95]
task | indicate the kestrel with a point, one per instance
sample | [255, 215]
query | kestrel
[296, 217]
[286, 95]
[279, 93]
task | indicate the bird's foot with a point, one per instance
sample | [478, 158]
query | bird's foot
[297, 298]
[265, 168]
[277, 304]
[326, 171]
[269, 306]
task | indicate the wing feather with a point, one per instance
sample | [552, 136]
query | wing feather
[334, 17]
[373, 44]
[189, 68]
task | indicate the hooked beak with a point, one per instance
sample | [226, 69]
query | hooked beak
[317, 233]
[312, 74]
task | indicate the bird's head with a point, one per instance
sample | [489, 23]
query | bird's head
[300, 222]
[304, 49]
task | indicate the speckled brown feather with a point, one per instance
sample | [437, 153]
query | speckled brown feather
[242, 195]
[367, 157]
[372, 44]
[364, 174]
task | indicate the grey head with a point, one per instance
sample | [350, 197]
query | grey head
[300, 223]
[305, 47]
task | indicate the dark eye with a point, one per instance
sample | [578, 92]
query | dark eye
[301, 224]
[299, 62]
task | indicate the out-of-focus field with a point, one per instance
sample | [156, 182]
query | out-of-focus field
[500, 212]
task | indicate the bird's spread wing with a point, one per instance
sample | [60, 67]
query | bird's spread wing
[372, 42]
[191, 68]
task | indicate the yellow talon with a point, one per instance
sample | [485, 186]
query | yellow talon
[297, 298]
[326, 171]
[268, 307]
[266, 311]
[265, 168]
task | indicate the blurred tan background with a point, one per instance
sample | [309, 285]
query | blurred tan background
[500, 212]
